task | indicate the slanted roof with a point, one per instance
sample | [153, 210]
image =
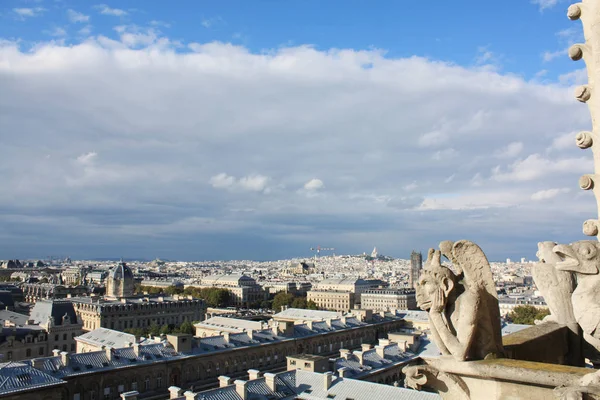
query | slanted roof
[232, 325]
[107, 337]
[306, 315]
[56, 309]
[20, 376]
[15, 318]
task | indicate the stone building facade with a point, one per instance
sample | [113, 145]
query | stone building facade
[331, 299]
[33, 292]
[244, 290]
[139, 312]
[389, 299]
[153, 370]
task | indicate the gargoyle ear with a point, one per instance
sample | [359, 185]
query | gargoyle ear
[447, 285]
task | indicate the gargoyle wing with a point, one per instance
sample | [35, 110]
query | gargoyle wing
[475, 267]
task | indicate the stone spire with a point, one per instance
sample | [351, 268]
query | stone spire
[588, 11]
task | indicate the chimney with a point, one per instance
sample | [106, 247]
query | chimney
[224, 381]
[270, 381]
[309, 324]
[380, 350]
[344, 372]
[327, 378]
[384, 342]
[343, 319]
[241, 387]
[109, 352]
[56, 352]
[250, 334]
[344, 353]
[365, 346]
[175, 392]
[328, 322]
[189, 395]
[136, 349]
[133, 395]
[226, 336]
[64, 358]
[253, 374]
[361, 357]
[37, 363]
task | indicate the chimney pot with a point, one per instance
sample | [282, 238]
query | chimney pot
[241, 387]
[224, 381]
[327, 377]
[344, 372]
[189, 395]
[64, 357]
[253, 374]
[175, 392]
[270, 381]
[365, 346]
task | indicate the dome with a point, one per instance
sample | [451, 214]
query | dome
[121, 272]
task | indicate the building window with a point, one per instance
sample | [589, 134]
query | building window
[159, 381]
[56, 338]
[9, 355]
[72, 346]
[147, 384]
[107, 392]
[64, 347]
[28, 353]
[133, 385]
[41, 351]
[121, 388]
[92, 395]
[64, 336]
[76, 396]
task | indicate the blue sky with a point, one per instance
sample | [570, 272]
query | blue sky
[238, 129]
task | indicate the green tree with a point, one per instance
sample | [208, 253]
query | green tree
[165, 330]
[527, 314]
[171, 290]
[299, 302]
[282, 299]
[186, 327]
[311, 305]
[154, 329]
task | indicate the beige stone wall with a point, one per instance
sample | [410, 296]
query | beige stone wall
[331, 300]
[202, 371]
[138, 315]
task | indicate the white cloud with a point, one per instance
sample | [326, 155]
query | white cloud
[87, 158]
[29, 12]
[433, 138]
[85, 31]
[545, 4]
[548, 56]
[548, 194]
[510, 151]
[106, 10]
[222, 181]
[535, 166]
[444, 154]
[254, 183]
[563, 142]
[178, 133]
[57, 32]
[314, 184]
[75, 16]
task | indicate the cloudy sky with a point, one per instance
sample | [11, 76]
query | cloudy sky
[255, 130]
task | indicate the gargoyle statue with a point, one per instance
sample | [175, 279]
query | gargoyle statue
[583, 258]
[556, 285]
[463, 308]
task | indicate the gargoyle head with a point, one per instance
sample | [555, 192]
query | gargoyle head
[581, 257]
[435, 278]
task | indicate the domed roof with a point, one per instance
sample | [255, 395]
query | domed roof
[121, 271]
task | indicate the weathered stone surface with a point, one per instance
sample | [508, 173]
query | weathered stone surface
[463, 307]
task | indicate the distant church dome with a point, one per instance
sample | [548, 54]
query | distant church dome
[120, 282]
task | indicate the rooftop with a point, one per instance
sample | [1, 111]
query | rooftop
[107, 337]
[306, 315]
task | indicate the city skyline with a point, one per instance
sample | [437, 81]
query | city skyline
[257, 132]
